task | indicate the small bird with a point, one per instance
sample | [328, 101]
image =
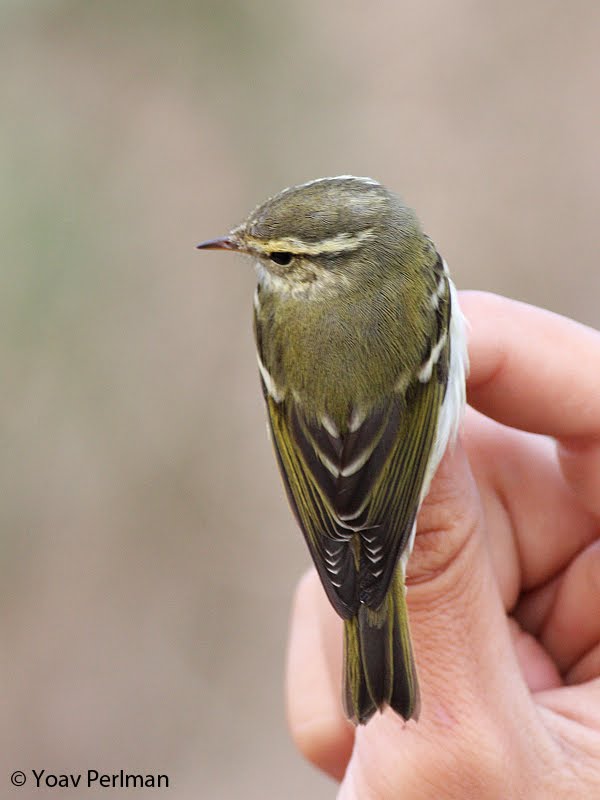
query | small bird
[361, 349]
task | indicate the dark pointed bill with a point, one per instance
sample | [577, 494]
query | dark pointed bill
[222, 243]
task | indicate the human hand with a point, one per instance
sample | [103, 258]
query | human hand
[504, 591]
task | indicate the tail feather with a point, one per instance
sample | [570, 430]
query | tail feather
[379, 667]
[358, 703]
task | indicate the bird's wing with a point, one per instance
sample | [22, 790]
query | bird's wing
[395, 490]
[368, 481]
[308, 491]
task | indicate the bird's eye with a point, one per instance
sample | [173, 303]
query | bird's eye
[283, 259]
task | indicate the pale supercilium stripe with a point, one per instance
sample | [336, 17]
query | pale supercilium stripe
[340, 243]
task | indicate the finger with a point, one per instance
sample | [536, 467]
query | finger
[572, 627]
[313, 687]
[535, 526]
[580, 462]
[533, 608]
[462, 644]
[550, 529]
[532, 369]
[586, 669]
[539, 671]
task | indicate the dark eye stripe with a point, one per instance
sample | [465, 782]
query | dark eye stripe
[281, 258]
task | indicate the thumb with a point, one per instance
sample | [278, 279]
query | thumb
[457, 618]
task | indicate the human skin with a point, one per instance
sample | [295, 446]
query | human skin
[503, 591]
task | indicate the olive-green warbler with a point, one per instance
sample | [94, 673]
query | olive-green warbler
[362, 356]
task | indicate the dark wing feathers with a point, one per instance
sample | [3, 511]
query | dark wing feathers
[395, 499]
[337, 462]
[376, 435]
[357, 524]
[331, 553]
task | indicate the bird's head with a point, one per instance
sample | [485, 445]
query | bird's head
[325, 232]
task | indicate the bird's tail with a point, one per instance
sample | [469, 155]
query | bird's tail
[379, 668]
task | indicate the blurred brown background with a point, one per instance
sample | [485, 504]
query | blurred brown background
[147, 556]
